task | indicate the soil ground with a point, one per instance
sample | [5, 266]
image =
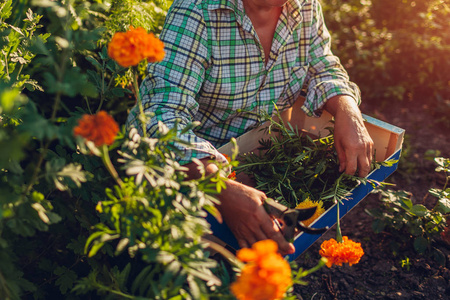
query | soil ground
[379, 274]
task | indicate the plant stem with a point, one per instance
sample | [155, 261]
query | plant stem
[447, 178]
[109, 166]
[142, 117]
[305, 273]
[18, 72]
[338, 225]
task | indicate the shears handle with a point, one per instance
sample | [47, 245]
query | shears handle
[290, 220]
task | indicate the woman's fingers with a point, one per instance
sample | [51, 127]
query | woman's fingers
[272, 232]
[243, 211]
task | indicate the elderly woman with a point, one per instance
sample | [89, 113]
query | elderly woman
[226, 62]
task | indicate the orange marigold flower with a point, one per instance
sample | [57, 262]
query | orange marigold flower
[265, 276]
[227, 157]
[232, 175]
[154, 49]
[99, 128]
[337, 253]
[129, 48]
[309, 203]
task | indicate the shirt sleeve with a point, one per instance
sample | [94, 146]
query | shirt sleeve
[169, 91]
[326, 76]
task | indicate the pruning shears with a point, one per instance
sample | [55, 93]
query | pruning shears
[290, 219]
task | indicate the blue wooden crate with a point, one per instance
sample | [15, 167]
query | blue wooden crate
[387, 139]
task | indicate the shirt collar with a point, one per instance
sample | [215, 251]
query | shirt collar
[293, 6]
[235, 5]
[294, 10]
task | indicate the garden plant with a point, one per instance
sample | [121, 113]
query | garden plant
[90, 209]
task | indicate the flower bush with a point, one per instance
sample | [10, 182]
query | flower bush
[87, 209]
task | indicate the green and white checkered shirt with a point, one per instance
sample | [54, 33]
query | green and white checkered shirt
[214, 71]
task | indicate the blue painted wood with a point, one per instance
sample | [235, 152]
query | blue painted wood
[304, 240]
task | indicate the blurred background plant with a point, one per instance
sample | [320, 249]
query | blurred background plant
[395, 50]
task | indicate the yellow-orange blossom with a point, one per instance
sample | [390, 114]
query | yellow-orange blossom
[265, 276]
[337, 253]
[129, 48]
[99, 128]
[309, 203]
[232, 175]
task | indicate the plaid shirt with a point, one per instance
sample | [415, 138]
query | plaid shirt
[214, 71]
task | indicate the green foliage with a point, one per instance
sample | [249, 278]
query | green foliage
[147, 14]
[158, 216]
[393, 49]
[290, 166]
[53, 69]
[414, 223]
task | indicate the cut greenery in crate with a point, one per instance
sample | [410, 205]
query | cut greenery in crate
[292, 160]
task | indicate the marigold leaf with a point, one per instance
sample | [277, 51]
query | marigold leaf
[93, 61]
[420, 244]
[66, 279]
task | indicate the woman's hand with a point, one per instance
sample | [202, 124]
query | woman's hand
[353, 144]
[243, 211]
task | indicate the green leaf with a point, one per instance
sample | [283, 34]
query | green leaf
[443, 164]
[406, 203]
[66, 279]
[5, 10]
[419, 210]
[77, 245]
[12, 148]
[378, 225]
[444, 205]
[140, 278]
[121, 245]
[72, 172]
[420, 244]
[194, 287]
[94, 62]
[43, 3]
[122, 278]
[35, 124]
[119, 92]
[95, 248]
[10, 98]
[435, 192]
[76, 82]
